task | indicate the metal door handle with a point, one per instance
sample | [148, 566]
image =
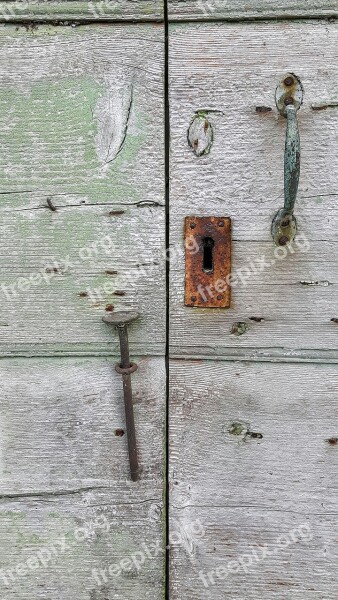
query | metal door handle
[289, 98]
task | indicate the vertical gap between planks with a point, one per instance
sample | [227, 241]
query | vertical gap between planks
[167, 240]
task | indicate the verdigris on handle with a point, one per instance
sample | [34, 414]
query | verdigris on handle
[289, 98]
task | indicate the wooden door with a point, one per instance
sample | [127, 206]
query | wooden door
[83, 229]
[254, 388]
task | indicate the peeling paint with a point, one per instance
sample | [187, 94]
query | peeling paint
[239, 328]
[200, 134]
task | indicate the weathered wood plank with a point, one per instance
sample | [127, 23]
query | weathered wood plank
[82, 112]
[79, 402]
[253, 455]
[82, 184]
[78, 10]
[84, 546]
[290, 305]
[217, 69]
[60, 272]
[65, 478]
[187, 10]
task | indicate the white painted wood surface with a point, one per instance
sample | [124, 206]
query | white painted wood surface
[253, 407]
[242, 491]
[188, 10]
[79, 10]
[226, 71]
[63, 468]
[81, 114]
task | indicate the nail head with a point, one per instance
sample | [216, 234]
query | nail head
[289, 81]
[120, 318]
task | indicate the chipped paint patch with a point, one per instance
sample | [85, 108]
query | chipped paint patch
[243, 431]
[200, 134]
[239, 328]
[238, 428]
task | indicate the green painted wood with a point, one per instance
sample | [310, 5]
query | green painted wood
[62, 270]
[78, 10]
[81, 186]
[153, 10]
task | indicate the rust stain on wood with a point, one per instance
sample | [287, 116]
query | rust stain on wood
[333, 441]
[207, 262]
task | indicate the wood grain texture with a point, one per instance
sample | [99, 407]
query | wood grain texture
[81, 113]
[79, 11]
[61, 271]
[227, 72]
[253, 455]
[290, 306]
[187, 10]
[63, 467]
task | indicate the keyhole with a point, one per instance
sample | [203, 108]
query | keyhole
[208, 254]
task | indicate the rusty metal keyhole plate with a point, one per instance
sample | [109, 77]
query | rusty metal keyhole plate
[207, 262]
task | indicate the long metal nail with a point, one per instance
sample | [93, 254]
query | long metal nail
[121, 320]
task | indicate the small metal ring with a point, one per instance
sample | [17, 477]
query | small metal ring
[127, 371]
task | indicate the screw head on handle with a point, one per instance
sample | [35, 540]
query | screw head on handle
[289, 81]
[119, 319]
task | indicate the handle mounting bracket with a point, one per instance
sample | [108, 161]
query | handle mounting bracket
[289, 98]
